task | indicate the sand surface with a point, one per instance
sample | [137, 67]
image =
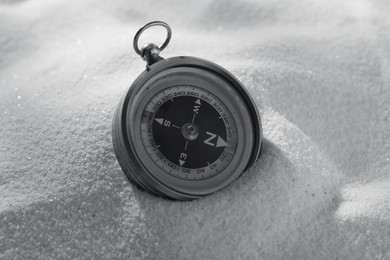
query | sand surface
[319, 72]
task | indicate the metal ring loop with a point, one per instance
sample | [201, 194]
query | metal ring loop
[146, 26]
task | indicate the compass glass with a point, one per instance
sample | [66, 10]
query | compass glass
[188, 132]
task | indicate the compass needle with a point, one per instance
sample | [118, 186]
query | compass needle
[193, 118]
[186, 128]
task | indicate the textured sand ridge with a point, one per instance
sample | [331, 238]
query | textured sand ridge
[319, 73]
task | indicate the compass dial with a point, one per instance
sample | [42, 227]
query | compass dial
[189, 132]
[185, 129]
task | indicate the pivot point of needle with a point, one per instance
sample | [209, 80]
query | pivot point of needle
[190, 131]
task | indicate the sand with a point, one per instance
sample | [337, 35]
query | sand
[319, 72]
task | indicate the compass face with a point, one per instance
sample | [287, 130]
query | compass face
[189, 132]
[186, 129]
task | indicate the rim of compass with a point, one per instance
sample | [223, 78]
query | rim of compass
[133, 167]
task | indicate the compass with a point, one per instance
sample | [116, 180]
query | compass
[186, 128]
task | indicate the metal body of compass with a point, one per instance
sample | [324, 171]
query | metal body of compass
[186, 128]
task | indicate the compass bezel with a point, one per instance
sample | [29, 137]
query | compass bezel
[244, 131]
[125, 142]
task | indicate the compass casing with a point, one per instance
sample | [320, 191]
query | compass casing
[128, 148]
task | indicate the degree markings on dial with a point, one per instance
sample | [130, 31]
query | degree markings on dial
[231, 152]
[147, 115]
